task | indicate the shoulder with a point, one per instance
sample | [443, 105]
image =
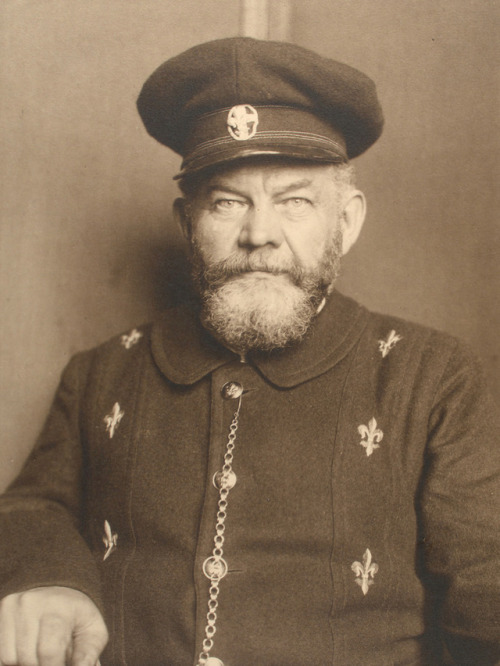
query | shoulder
[412, 338]
[110, 361]
[431, 359]
[388, 327]
[127, 344]
[386, 333]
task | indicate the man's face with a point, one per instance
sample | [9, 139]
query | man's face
[266, 241]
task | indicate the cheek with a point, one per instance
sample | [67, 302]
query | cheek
[214, 241]
[309, 242]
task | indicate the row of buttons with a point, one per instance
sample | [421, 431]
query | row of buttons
[216, 568]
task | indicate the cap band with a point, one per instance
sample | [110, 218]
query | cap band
[245, 129]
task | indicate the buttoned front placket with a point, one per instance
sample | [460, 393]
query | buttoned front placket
[229, 385]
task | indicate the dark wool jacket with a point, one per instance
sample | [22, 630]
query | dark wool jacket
[363, 527]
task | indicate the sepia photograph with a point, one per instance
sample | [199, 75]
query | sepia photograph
[249, 359]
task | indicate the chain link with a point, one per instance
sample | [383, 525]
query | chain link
[215, 566]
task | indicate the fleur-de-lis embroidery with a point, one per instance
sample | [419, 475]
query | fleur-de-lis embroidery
[113, 419]
[131, 339]
[385, 346]
[109, 539]
[370, 435]
[365, 571]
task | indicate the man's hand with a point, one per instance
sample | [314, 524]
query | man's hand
[50, 626]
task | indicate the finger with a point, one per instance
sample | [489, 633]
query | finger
[26, 622]
[8, 650]
[54, 638]
[84, 657]
[88, 646]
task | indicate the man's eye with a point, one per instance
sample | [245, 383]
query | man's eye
[228, 205]
[296, 203]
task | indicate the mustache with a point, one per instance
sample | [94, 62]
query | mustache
[237, 264]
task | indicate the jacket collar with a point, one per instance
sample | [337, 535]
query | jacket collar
[185, 352]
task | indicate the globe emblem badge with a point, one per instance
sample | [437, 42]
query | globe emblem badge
[242, 121]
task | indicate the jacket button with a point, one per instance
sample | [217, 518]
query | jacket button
[227, 483]
[231, 390]
[215, 568]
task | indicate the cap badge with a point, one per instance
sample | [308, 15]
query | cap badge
[242, 121]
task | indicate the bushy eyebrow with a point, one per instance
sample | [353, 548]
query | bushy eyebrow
[296, 185]
[222, 187]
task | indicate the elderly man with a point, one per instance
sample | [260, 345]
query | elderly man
[270, 474]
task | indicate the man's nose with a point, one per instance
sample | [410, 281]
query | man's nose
[261, 227]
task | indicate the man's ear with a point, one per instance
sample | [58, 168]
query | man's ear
[182, 218]
[352, 219]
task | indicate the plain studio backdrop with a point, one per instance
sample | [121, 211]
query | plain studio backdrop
[88, 245]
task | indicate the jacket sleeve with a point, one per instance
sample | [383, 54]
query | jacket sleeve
[460, 506]
[41, 541]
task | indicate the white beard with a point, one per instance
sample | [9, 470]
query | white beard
[251, 312]
[249, 302]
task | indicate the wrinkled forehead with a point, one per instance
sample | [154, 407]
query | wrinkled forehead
[271, 169]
